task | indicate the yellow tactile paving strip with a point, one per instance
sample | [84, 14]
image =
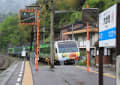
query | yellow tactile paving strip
[27, 79]
[105, 74]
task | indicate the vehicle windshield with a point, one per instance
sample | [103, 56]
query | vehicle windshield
[68, 46]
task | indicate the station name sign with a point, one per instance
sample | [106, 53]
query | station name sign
[107, 27]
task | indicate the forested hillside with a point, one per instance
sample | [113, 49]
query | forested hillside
[13, 34]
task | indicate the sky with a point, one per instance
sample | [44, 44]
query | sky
[13, 6]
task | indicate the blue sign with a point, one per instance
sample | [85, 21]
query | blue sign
[107, 34]
[107, 27]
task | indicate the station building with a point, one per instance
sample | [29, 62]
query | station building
[79, 33]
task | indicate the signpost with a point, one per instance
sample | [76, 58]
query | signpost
[89, 15]
[109, 35]
[31, 17]
[118, 71]
[101, 50]
[118, 45]
[37, 42]
[107, 27]
[27, 16]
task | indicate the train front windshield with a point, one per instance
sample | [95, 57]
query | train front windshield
[67, 47]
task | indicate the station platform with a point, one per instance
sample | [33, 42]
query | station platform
[62, 75]
[27, 79]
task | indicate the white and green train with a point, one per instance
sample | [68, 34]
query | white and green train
[65, 51]
[17, 51]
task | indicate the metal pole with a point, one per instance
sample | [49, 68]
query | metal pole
[52, 35]
[101, 50]
[87, 40]
[32, 37]
[44, 33]
[37, 43]
[72, 31]
[44, 37]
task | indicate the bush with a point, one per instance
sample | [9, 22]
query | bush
[82, 63]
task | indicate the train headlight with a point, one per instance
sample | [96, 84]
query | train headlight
[77, 54]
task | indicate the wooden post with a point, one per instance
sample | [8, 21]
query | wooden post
[118, 44]
[118, 31]
[101, 53]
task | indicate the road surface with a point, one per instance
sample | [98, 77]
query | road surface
[66, 75]
[17, 76]
[60, 75]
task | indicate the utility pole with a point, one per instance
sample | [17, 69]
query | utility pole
[52, 35]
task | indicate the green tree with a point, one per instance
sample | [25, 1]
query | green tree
[60, 19]
[12, 33]
[68, 18]
[101, 4]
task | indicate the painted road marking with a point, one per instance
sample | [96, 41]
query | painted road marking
[19, 79]
[20, 74]
[109, 75]
[21, 70]
[17, 84]
[27, 79]
[105, 74]
[22, 67]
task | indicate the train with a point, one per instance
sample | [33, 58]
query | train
[66, 51]
[17, 51]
